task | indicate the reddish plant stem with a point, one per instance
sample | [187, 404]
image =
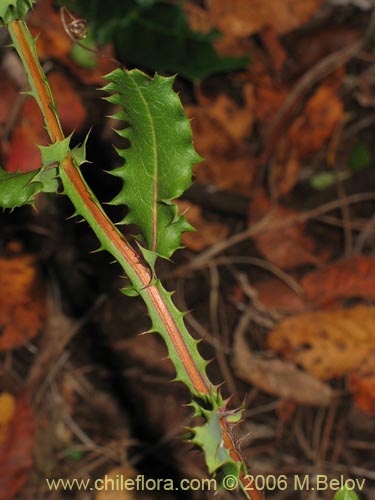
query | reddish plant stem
[130, 255]
[118, 243]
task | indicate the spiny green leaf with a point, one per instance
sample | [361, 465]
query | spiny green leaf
[209, 436]
[158, 163]
[56, 152]
[48, 177]
[14, 9]
[18, 189]
[79, 152]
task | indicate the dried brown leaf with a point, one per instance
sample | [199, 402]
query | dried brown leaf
[279, 378]
[351, 277]
[327, 344]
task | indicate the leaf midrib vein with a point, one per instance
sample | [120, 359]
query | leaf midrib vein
[155, 165]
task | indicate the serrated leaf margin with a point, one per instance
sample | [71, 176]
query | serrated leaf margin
[158, 163]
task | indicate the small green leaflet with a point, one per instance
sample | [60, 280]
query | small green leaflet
[209, 436]
[20, 189]
[158, 164]
[55, 153]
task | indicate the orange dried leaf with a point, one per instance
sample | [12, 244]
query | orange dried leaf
[16, 451]
[351, 277]
[327, 344]
[21, 304]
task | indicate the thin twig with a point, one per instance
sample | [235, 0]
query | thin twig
[263, 264]
[264, 225]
